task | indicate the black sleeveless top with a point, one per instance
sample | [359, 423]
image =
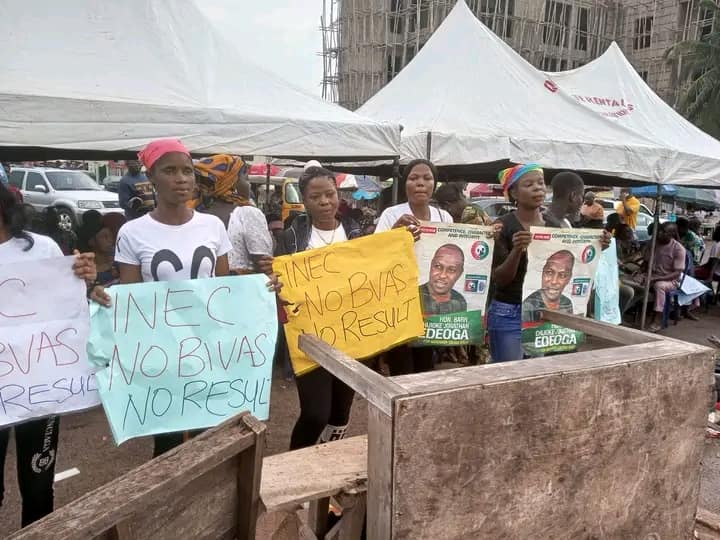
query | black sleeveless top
[512, 292]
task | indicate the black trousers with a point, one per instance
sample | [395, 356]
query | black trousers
[324, 399]
[167, 441]
[404, 360]
[36, 445]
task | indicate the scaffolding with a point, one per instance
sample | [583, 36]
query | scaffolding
[367, 42]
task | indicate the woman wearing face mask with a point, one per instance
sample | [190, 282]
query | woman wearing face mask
[325, 400]
[171, 242]
[417, 186]
[38, 437]
[525, 185]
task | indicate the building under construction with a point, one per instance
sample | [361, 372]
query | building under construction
[367, 42]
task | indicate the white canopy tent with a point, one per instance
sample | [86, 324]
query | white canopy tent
[90, 76]
[611, 87]
[468, 98]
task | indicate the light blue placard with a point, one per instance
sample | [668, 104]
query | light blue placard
[184, 355]
[607, 287]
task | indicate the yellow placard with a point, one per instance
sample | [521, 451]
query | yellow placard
[360, 296]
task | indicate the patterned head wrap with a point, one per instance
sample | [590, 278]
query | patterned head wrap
[216, 178]
[507, 177]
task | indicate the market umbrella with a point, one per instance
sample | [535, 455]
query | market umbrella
[697, 196]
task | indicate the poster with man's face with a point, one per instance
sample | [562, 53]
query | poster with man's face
[455, 264]
[561, 267]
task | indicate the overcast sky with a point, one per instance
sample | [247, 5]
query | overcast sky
[284, 34]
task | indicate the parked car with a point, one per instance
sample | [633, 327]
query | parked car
[111, 183]
[71, 192]
[6, 182]
[494, 207]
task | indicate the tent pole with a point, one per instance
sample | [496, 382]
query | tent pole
[653, 242]
[428, 146]
[396, 180]
[267, 185]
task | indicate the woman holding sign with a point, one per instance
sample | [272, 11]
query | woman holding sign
[416, 187]
[525, 186]
[325, 400]
[36, 440]
[172, 242]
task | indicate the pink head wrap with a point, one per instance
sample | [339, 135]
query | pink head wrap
[157, 149]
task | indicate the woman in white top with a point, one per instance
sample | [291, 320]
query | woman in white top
[172, 242]
[36, 440]
[417, 186]
[325, 400]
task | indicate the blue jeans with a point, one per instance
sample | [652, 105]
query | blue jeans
[505, 331]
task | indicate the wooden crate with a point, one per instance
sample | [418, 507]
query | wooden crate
[598, 444]
[206, 488]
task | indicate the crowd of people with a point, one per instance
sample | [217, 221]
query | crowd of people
[186, 220]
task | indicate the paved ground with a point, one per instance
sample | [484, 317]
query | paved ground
[86, 442]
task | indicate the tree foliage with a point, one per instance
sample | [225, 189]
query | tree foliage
[699, 61]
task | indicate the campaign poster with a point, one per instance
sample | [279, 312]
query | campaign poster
[455, 262]
[562, 264]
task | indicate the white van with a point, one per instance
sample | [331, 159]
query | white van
[71, 192]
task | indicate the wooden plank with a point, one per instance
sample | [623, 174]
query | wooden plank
[249, 477]
[435, 381]
[133, 493]
[709, 521]
[611, 452]
[292, 478]
[609, 332]
[380, 458]
[207, 507]
[371, 385]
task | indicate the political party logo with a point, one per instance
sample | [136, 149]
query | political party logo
[588, 254]
[479, 250]
[581, 287]
[475, 283]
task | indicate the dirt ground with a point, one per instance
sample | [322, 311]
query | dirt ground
[86, 442]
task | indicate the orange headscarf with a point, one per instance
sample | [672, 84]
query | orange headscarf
[216, 178]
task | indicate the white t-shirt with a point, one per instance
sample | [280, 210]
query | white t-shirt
[320, 238]
[173, 252]
[249, 235]
[390, 216]
[14, 249]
